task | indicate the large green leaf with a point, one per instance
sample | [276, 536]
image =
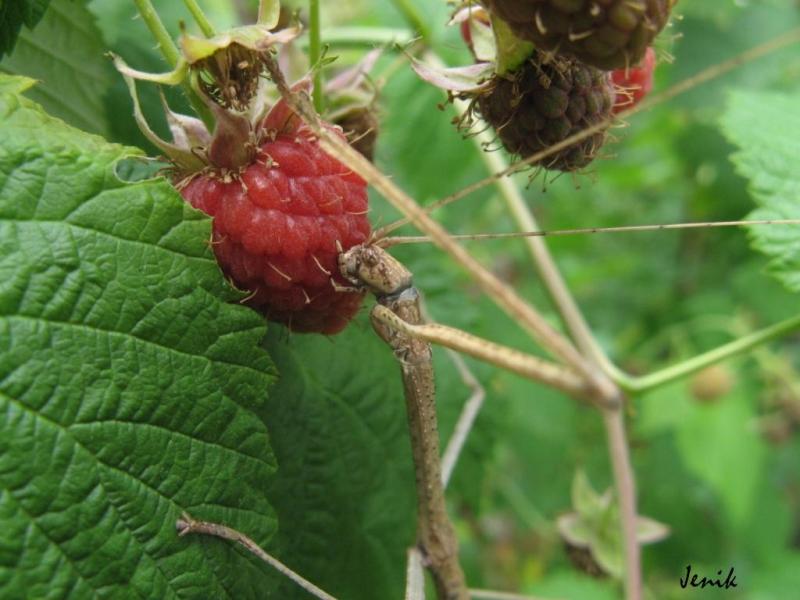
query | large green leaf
[127, 380]
[717, 443]
[66, 53]
[766, 128]
[344, 492]
[13, 15]
[564, 584]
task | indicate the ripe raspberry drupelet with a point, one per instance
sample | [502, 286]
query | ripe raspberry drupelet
[280, 224]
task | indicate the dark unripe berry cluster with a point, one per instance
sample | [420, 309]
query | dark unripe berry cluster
[543, 103]
[607, 34]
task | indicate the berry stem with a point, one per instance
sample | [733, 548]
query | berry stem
[172, 55]
[640, 385]
[367, 36]
[315, 53]
[200, 18]
[165, 44]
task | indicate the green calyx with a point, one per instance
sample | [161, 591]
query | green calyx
[512, 51]
[594, 526]
[224, 78]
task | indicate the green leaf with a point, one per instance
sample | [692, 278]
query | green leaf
[575, 530]
[766, 128]
[66, 53]
[717, 443]
[775, 579]
[568, 584]
[15, 14]
[585, 500]
[127, 380]
[607, 551]
[344, 492]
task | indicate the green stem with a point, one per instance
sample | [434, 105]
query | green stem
[315, 53]
[200, 18]
[366, 36]
[172, 55]
[414, 17]
[638, 385]
[159, 32]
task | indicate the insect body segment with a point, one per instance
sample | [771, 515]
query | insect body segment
[371, 267]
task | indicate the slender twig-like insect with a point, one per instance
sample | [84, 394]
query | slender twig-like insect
[371, 268]
[397, 240]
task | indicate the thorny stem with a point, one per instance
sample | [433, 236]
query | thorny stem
[579, 329]
[187, 525]
[546, 266]
[639, 385]
[200, 18]
[315, 53]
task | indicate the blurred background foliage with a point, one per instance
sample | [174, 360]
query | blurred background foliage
[717, 456]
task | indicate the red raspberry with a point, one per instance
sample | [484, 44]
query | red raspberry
[634, 83]
[280, 225]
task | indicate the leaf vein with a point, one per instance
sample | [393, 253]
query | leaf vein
[112, 333]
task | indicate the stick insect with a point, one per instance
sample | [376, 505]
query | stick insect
[577, 365]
